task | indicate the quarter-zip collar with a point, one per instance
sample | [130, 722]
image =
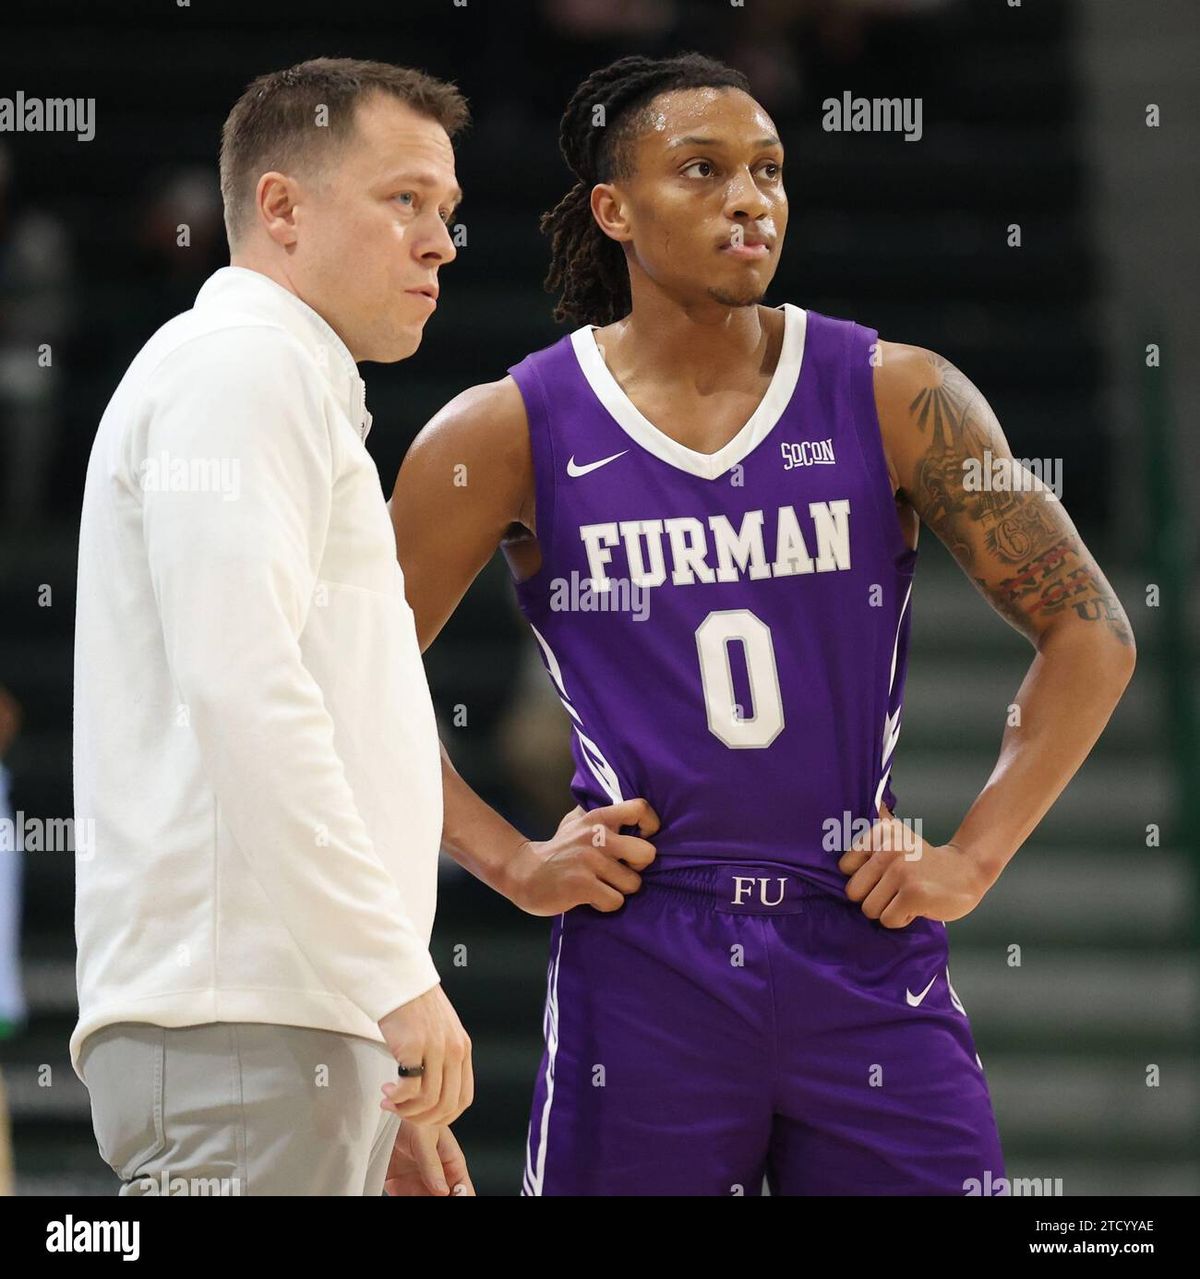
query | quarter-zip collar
[238, 288]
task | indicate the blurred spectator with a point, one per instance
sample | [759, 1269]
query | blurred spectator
[13, 1011]
[604, 19]
[12, 1000]
[36, 290]
[181, 238]
[775, 42]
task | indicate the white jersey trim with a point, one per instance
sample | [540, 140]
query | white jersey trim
[535, 1165]
[601, 769]
[708, 466]
[891, 727]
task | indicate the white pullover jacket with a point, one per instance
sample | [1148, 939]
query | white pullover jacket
[254, 743]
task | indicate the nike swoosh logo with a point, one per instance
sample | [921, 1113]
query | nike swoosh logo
[575, 471]
[914, 1001]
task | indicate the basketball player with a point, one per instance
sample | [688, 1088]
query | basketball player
[773, 999]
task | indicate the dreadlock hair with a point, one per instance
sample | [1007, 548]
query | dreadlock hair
[587, 269]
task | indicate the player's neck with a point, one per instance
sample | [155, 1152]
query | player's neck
[698, 346]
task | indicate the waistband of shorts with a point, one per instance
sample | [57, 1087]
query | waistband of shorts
[739, 889]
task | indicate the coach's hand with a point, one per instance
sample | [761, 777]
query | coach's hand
[588, 862]
[427, 1161]
[426, 1031]
[897, 876]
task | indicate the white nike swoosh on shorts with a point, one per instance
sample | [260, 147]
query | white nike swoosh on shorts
[914, 1001]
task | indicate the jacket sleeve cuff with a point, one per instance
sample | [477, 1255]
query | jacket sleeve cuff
[419, 976]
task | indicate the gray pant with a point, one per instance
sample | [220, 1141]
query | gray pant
[239, 1108]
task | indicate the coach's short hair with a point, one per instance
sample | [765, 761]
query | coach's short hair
[277, 123]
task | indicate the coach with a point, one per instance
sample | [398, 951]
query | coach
[255, 745]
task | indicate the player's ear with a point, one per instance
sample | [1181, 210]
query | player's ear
[608, 208]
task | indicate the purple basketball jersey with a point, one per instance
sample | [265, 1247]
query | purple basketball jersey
[728, 632]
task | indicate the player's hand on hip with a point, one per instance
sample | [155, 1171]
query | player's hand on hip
[426, 1033]
[587, 862]
[427, 1161]
[897, 876]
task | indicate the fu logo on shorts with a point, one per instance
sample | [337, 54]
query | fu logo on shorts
[743, 890]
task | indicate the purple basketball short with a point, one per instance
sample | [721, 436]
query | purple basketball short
[729, 1024]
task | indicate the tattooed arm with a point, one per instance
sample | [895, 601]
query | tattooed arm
[951, 464]
[1024, 554]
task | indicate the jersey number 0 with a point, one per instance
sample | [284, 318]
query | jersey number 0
[727, 720]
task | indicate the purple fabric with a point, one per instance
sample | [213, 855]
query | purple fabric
[634, 687]
[691, 1051]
